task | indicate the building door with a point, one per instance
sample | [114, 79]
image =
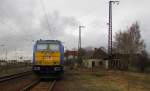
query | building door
[93, 64]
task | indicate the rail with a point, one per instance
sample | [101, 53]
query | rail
[40, 86]
[52, 86]
[13, 76]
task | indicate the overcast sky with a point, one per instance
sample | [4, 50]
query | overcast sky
[24, 21]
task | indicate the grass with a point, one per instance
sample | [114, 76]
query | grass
[106, 81]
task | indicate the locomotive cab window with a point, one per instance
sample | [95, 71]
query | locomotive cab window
[42, 46]
[54, 47]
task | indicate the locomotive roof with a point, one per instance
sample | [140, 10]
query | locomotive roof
[48, 41]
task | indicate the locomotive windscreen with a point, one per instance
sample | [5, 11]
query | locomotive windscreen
[48, 46]
[42, 46]
[54, 47]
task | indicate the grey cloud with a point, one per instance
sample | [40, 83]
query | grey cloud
[57, 24]
[22, 21]
[18, 25]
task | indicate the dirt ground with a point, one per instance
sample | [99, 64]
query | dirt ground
[102, 80]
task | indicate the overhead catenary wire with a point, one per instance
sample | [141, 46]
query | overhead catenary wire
[10, 26]
[4, 23]
[45, 13]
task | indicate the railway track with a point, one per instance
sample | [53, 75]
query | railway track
[40, 86]
[14, 76]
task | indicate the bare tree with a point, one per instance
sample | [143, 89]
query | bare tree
[129, 42]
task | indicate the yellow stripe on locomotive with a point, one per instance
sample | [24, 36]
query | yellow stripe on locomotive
[46, 58]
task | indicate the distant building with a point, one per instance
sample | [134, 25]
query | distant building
[96, 58]
[90, 63]
[3, 62]
[12, 61]
[71, 54]
[27, 61]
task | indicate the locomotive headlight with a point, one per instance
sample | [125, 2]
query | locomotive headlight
[36, 68]
[57, 68]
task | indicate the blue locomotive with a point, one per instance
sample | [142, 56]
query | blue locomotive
[48, 57]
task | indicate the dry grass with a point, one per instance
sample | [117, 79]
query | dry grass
[106, 81]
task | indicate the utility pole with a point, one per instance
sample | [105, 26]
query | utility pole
[15, 53]
[6, 53]
[110, 29]
[3, 45]
[79, 43]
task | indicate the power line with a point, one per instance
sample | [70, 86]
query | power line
[4, 23]
[11, 28]
[8, 25]
[6, 15]
[46, 15]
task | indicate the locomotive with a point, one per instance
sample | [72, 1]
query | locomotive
[48, 56]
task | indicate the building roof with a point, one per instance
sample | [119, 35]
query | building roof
[48, 41]
[71, 53]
